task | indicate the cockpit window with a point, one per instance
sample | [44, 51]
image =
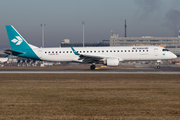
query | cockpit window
[165, 50]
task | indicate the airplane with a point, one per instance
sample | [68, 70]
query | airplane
[5, 59]
[110, 56]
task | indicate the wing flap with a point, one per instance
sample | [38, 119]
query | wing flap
[90, 56]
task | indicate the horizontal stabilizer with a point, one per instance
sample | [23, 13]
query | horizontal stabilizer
[12, 52]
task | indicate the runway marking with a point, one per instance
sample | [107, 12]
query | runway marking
[139, 68]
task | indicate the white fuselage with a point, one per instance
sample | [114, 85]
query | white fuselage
[122, 53]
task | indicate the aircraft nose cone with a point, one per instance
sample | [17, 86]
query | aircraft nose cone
[174, 56]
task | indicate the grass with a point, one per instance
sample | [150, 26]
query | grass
[88, 96]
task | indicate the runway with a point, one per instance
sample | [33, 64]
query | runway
[84, 69]
[81, 72]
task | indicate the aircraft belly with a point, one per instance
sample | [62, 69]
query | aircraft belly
[59, 58]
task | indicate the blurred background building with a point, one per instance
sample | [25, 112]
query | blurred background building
[67, 43]
[171, 43]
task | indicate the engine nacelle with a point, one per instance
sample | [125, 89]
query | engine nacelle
[112, 62]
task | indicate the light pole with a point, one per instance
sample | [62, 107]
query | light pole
[42, 25]
[83, 32]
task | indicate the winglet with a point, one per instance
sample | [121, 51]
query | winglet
[74, 51]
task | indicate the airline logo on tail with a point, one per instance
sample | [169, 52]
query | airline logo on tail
[18, 40]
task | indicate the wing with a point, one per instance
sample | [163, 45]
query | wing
[87, 58]
[91, 58]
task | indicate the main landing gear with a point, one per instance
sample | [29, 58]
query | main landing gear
[158, 67]
[92, 67]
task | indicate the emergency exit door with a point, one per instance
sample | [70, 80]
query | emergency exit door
[40, 53]
[156, 51]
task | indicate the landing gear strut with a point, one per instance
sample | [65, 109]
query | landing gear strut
[92, 67]
[158, 64]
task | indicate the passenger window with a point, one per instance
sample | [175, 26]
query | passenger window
[98, 51]
[110, 50]
[67, 51]
[132, 50]
[103, 51]
[49, 52]
[91, 51]
[107, 51]
[83, 51]
[143, 50]
[45, 52]
[136, 50]
[87, 51]
[128, 50]
[146, 50]
[63, 51]
[70, 51]
[52, 51]
[124, 50]
[114, 51]
[59, 51]
[121, 50]
[56, 52]
[139, 50]
[118, 51]
[94, 51]
[80, 51]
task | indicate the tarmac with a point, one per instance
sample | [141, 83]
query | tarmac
[84, 69]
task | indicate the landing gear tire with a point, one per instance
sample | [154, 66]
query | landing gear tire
[158, 67]
[92, 67]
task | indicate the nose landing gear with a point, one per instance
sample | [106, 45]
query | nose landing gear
[158, 64]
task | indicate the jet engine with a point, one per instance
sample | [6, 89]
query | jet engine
[112, 62]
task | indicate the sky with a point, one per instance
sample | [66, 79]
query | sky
[63, 19]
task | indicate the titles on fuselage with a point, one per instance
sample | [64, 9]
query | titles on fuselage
[140, 48]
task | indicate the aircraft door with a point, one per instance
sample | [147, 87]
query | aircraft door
[40, 53]
[156, 51]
